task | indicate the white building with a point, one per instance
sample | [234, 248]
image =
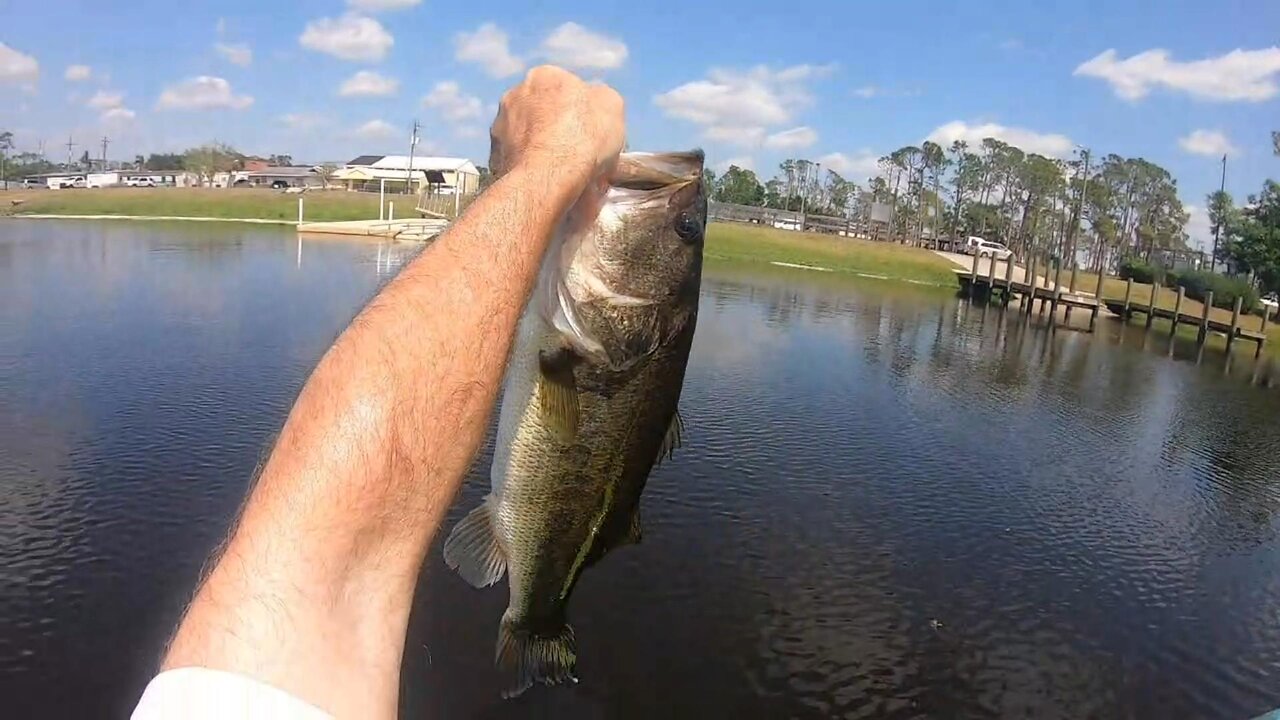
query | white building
[445, 175]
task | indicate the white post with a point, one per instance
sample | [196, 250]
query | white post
[391, 211]
[382, 190]
[456, 200]
[299, 249]
[299, 211]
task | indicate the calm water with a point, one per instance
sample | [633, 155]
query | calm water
[889, 504]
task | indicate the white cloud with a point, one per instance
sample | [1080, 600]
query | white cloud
[117, 115]
[1207, 142]
[574, 46]
[77, 73]
[867, 92]
[302, 122]
[17, 68]
[220, 27]
[746, 162]
[793, 139]
[489, 48]
[1011, 44]
[756, 98]
[350, 37]
[455, 105]
[468, 132]
[858, 167]
[367, 83]
[202, 93]
[105, 100]
[382, 5]
[1240, 75]
[375, 130]
[750, 136]
[1047, 144]
[236, 54]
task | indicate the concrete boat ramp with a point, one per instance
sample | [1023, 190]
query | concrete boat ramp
[409, 229]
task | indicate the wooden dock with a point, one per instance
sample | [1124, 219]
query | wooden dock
[409, 229]
[1030, 289]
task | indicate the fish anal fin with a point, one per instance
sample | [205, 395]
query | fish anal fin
[673, 439]
[558, 392]
[524, 657]
[473, 550]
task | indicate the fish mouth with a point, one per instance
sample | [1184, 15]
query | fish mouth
[654, 171]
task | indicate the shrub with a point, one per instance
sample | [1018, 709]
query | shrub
[1140, 272]
[1171, 278]
[1225, 290]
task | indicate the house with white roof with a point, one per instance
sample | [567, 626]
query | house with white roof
[390, 173]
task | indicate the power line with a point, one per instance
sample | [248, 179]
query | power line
[70, 144]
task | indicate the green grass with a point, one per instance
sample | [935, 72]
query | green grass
[750, 243]
[256, 204]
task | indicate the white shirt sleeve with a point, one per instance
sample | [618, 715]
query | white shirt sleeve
[196, 693]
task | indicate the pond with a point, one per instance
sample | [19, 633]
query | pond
[890, 503]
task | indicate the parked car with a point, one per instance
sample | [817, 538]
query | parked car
[76, 182]
[139, 182]
[1271, 302]
[34, 184]
[994, 250]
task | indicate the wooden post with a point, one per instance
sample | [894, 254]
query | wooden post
[391, 211]
[1075, 272]
[299, 211]
[991, 279]
[1151, 305]
[1057, 288]
[1030, 279]
[1128, 292]
[1266, 312]
[1204, 318]
[1235, 322]
[1008, 279]
[1097, 292]
[1177, 311]
[973, 277]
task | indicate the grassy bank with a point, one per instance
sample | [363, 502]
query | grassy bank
[751, 243]
[258, 204]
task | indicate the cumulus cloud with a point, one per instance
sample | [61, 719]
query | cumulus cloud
[350, 37]
[77, 73]
[1047, 144]
[375, 130]
[1198, 228]
[235, 53]
[453, 104]
[856, 166]
[202, 93]
[738, 106]
[381, 5]
[367, 83]
[105, 100]
[572, 45]
[793, 139]
[867, 92]
[301, 121]
[488, 47]
[17, 68]
[1207, 142]
[1240, 75]
[117, 115]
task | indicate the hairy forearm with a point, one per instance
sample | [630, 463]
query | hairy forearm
[335, 530]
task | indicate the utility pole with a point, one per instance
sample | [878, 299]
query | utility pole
[105, 141]
[1217, 228]
[408, 175]
[70, 144]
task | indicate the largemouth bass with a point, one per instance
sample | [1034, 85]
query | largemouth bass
[588, 405]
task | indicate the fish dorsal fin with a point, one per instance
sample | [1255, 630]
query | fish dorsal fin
[557, 392]
[672, 440]
[473, 550]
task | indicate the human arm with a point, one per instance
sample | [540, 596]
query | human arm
[313, 591]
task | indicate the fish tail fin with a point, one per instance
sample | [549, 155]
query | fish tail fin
[473, 550]
[524, 657]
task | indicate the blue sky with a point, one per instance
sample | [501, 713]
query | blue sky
[750, 82]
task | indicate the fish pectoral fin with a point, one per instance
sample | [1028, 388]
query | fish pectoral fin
[525, 657]
[558, 392]
[672, 440]
[473, 550]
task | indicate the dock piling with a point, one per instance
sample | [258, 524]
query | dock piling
[973, 277]
[1008, 279]
[1128, 293]
[991, 279]
[1097, 293]
[1151, 306]
[1030, 297]
[1057, 289]
[1204, 318]
[1235, 323]
[1177, 310]
[1075, 272]
[299, 211]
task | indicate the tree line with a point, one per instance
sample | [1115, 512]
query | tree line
[1247, 239]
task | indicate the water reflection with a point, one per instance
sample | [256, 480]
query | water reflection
[889, 503]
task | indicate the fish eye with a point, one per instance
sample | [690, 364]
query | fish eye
[688, 227]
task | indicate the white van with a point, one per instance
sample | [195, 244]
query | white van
[986, 248]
